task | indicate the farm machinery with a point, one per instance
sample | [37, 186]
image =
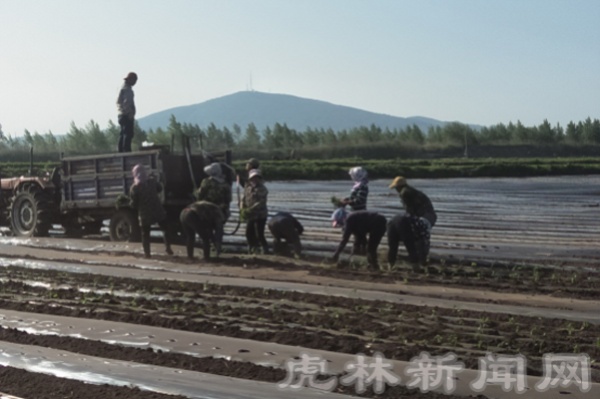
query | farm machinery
[84, 191]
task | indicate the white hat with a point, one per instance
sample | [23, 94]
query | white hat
[214, 169]
[358, 173]
[254, 172]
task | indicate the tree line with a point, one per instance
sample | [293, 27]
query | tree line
[279, 138]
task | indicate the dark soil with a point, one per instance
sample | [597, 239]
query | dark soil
[353, 325]
[40, 386]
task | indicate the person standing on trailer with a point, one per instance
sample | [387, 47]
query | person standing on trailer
[126, 112]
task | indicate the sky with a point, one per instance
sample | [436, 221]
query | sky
[482, 62]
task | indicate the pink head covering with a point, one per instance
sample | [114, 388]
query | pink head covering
[339, 217]
[359, 175]
[139, 174]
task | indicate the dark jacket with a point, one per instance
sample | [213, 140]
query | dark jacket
[360, 224]
[219, 193]
[416, 203]
[208, 212]
[145, 200]
[254, 201]
[358, 197]
[283, 224]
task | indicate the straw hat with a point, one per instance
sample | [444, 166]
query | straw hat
[398, 182]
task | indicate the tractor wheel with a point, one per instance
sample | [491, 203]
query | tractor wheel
[124, 226]
[30, 213]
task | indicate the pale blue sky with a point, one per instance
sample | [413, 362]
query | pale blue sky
[474, 61]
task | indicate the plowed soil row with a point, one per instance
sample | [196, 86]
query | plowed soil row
[512, 238]
[313, 321]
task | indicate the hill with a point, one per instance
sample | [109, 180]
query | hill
[266, 109]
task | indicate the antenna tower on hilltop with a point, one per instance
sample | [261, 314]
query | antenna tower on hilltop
[249, 87]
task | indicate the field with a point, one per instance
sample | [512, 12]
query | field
[513, 272]
[434, 166]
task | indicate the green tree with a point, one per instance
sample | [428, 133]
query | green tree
[237, 133]
[521, 133]
[435, 135]
[372, 134]
[270, 141]
[96, 138]
[175, 131]
[39, 143]
[139, 136]
[457, 134]
[228, 140]
[252, 138]
[112, 133]
[345, 137]
[547, 134]
[311, 138]
[282, 137]
[496, 134]
[76, 141]
[329, 138]
[52, 142]
[214, 138]
[28, 138]
[591, 130]
[412, 134]
[573, 133]
[195, 133]
[159, 137]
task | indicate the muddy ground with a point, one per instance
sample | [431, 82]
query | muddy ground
[485, 290]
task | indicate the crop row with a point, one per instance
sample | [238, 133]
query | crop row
[428, 168]
[348, 325]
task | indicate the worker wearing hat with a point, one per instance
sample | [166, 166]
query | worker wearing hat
[126, 112]
[415, 202]
[215, 188]
[252, 163]
[414, 227]
[360, 190]
[255, 212]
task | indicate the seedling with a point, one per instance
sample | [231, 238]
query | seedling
[570, 328]
[536, 275]
[584, 326]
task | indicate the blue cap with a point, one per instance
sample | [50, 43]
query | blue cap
[339, 216]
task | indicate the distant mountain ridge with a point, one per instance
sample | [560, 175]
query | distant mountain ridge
[267, 109]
